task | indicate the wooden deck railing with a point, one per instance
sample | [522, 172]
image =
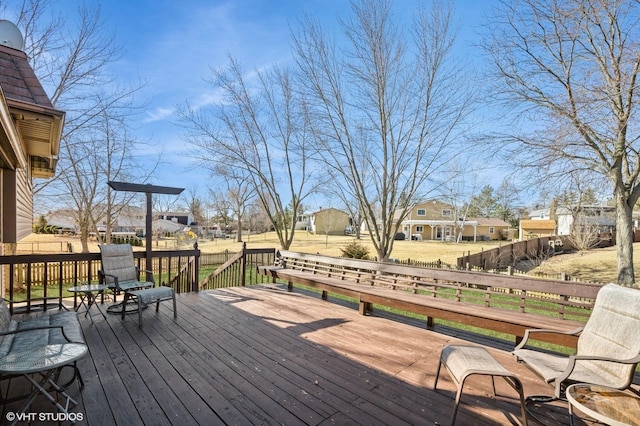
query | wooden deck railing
[240, 269]
[39, 281]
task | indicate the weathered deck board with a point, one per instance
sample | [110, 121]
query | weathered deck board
[261, 355]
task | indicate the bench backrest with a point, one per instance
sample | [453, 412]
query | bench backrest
[475, 287]
[117, 260]
[613, 331]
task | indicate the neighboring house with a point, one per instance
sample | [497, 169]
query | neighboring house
[303, 222]
[598, 219]
[181, 217]
[63, 219]
[129, 219]
[537, 228]
[329, 222]
[485, 228]
[163, 225]
[540, 214]
[30, 132]
[431, 220]
[437, 220]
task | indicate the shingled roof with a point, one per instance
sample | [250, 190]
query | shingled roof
[39, 124]
[18, 80]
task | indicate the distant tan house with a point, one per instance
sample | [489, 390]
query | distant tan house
[431, 220]
[30, 132]
[537, 228]
[437, 220]
[485, 228]
[329, 222]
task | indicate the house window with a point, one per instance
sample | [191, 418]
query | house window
[446, 212]
[420, 229]
[492, 229]
[422, 212]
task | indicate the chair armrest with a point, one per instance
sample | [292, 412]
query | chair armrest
[530, 331]
[573, 358]
[150, 274]
[42, 327]
[115, 278]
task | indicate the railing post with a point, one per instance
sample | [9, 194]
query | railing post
[243, 265]
[194, 282]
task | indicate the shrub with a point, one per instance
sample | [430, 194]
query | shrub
[355, 250]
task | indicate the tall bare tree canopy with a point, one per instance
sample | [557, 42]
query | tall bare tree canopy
[260, 126]
[72, 59]
[387, 105]
[570, 67]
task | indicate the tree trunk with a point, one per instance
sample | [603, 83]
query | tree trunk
[84, 238]
[239, 233]
[624, 241]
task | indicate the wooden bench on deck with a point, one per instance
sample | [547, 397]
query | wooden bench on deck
[502, 303]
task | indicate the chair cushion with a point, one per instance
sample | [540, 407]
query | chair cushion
[52, 336]
[5, 317]
[117, 259]
[612, 331]
[150, 295]
[550, 366]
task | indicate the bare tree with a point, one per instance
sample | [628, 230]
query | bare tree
[458, 184]
[221, 206]
[387, 106]
[506, 196]
[336, 187]
[165, 203]
[92, 158]
[195, 205]
[261, 128]
[570, 68]
[240, 193]
[96, 145]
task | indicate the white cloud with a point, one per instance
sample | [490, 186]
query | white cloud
[158, 114]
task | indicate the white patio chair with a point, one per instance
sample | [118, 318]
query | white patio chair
[608, 349]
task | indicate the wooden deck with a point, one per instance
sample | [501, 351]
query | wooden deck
[261, 355]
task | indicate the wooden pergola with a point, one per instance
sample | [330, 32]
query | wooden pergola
[148, 189]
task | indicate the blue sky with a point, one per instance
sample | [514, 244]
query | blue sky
[173, 44]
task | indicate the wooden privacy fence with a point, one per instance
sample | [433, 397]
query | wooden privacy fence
[509, 254]
[532, 249]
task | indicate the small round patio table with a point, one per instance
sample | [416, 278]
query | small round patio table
[610, 406]
[47, 360]
[88, 294]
